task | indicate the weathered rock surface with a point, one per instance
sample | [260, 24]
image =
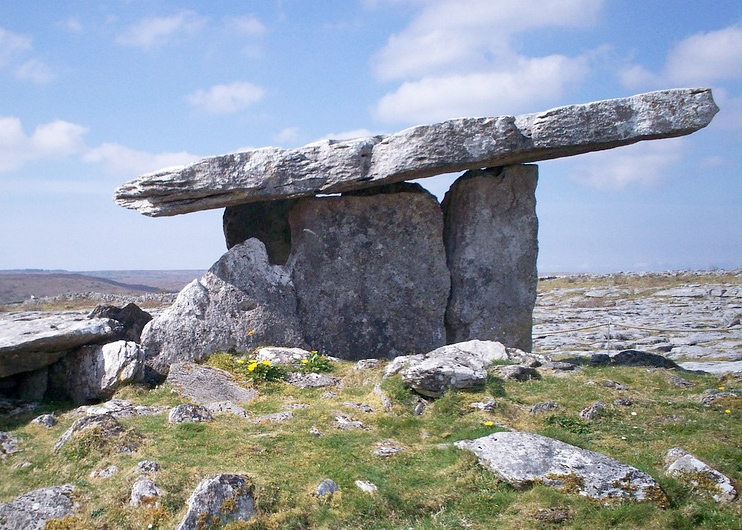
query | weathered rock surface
[220, 499]
[28, 343]
[187, 413]
[491, 239]
[423, 151]
[702, 477]
[524, 459]
[144, 492]
[311, 380]
[517, 372]
[131, 316]
[32, 510]
[105, 426]
[8, 444]
[242, 302]
[694, 329]
[120, 408]
[278, 355]
[93, 373]
[46, 420]
[205, 385]
[370, 273]
[461, 365]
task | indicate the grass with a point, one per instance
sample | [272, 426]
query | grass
[430, 485]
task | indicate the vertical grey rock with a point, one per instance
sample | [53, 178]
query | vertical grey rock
[218, 500]
[491, 239]
[267, 221]
[370, 273]
[243, 302]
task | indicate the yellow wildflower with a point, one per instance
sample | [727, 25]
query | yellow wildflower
[304, 361]
[727, 411]
[240, 361]
[252, 366]
[722, 387]
[251, 332]
[266, 363]
[489, 423]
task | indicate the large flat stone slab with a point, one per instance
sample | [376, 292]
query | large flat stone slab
[205, 385]
[29, 342]
[524, 459]
[424, 151]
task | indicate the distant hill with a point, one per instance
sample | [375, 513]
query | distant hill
[20, 285]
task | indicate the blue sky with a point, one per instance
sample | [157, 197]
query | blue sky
[94, 93]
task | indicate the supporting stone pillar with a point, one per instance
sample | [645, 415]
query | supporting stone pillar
[370, 273]
[491, 240]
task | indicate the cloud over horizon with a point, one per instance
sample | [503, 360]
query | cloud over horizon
[225, 99]
[453, 62]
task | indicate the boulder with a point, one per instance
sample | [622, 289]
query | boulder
[219, 499]
[333, 166]
[28, 343]
[144, 492]
[241, 303]
[32, 510]
[517, 372]
[131, 316]
[206, 385]
[46, 420]
[370, 273]
[326, 488]
[491, 239]
[524, 459]
[187, 413]
[700, 476]
[94, 373]
[105, 427]
[458, 366]
[642, 358]
[267, 221]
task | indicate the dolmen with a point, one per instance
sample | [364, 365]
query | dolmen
[331, 248]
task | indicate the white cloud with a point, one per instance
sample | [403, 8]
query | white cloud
[247, 25]
[456, 35]
[35, 70]
[457, 58]
[532, 82]
[56, 139]
[225, 99]
[12, 44]
[287, 135]
[155, 31]
[119, 159]
[707, 57]
[13, 48]
[72, 24]
[699, 60]
[644, 163]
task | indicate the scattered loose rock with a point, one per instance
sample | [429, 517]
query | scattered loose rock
[679, 381]
[703, 478]
[120, 408]
[144, 492]
[276, 417]
[326, 488]
[147, 467]
[523, 459]
[544, 406]
[311, 380]
[226, 406]
[186, 413]
[593, 411]
[517, 372]
[8, 444]
[32, 510]
[345, 423]
[47, 420]
[106, 472]
[388, 448]
[366, 486]
[219, 499]
[360, 406]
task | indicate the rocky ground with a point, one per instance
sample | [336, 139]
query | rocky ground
[691, 318]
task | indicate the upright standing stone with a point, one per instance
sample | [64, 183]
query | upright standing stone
[491, 239]
[370, 273]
